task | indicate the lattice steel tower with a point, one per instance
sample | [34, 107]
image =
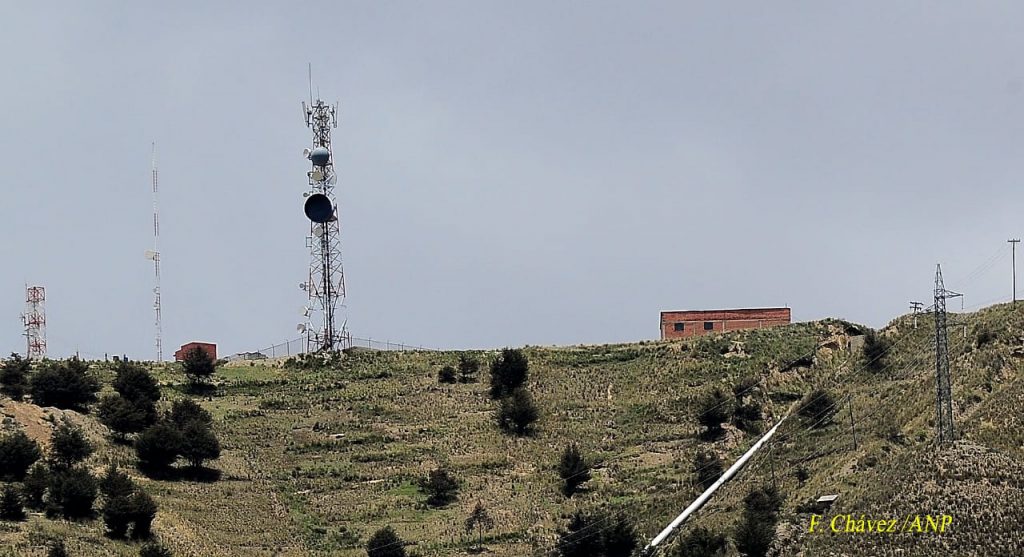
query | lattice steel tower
[325, 286]
[943, 398]
[154, 256]
[34, 320]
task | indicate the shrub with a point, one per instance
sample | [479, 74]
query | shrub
[10, 505]
[440, 487]
[34, 486]
[17, 453]
[158, 446]
[446, 375]
[67, 385]
[14, 376]
[116, 516]
[573, 469]
[517, 412]
[875, 349]
[469, 368]
[116, 483]
[714, 411]
[154, 549]
[817, 408]
[71, 493]
[597, 535]
[68, 446]
[700, 542]
[756, 530]
[708, 468]
[198, 366]
[508, 372]
[56, 549]
[748, 417]
[385, 543]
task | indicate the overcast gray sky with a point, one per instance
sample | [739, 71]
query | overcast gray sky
[509, 173]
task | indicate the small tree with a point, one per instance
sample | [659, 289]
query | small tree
[517, 412]
[71, 493]
[440, 487]
[124, 417]
[446, 375]
[66, 385]
[158, 446]
[17, 453]
[116, 516]
[116, 483]
[198, 366]
[142, 510]
[68, 446]
[573, 469]
[385, 543]
[597, 535]
[708, 468]
[56, 549]
[34, 486]
[620, 537]
[875, 349]
[186, 411]
[817, 408]
[14, 376]
[716, 410]
[756, 530]
[199, 444]
[135, 384]
[10, 505]
[574, 541]
[700, 542]
[469, 368]
[508, 372]
[480, 520]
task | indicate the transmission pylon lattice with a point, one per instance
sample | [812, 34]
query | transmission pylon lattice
[325, 283]
[34, 320]
[943, 398]
[154, 256]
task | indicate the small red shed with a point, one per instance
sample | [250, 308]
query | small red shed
[208, 347]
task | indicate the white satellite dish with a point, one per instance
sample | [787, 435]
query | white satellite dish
[306, 152]
[318, 230]
[317, 175]
[302, 286]
[305, 194]
[301, 327]
[150, 255]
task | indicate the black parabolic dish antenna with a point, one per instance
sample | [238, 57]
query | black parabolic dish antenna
[318, 208]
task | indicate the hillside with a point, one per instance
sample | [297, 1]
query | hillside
[318, 457]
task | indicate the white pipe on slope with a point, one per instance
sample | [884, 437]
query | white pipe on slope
[699, 502]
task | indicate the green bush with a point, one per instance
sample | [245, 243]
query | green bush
[817, 408]
[71, 493]
[875, 349]
[154, 549]
[135, 384]
[14, 376]
[385, 543]
[700, 542]
[158, 446]
[17, 453]
[508, 372]
[446, 375]
[469, 368]
[68, 446]
[66, 385]
[440, 487]
[11, 507]
[716, 409]
[124, 417]
[198, 366]
[34, 486]
[199, 444]
[517, 412]
[597, 535]
[573, 469]
[708, 468]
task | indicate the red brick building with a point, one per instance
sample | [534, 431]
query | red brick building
[208, 347]
[682, 324]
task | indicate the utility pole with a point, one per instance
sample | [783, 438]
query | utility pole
[915, 308]
[1013, 258]
[943, 397]
[853, 428]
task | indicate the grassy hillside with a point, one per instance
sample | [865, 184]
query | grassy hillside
[316, 459]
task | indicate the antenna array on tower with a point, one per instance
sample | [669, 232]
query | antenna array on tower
[154, 256]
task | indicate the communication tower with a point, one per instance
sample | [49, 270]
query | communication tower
[325, 283]
[34, 320]
[154, 256]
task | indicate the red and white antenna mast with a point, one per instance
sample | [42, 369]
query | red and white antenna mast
[34, 320]
[154, 256]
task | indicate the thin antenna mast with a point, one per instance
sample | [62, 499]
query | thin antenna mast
[154, 256]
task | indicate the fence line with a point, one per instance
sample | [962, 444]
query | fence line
[298, 346]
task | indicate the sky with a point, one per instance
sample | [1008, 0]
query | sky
[509, 173]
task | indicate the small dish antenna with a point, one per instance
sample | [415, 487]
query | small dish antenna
[318, 230]
[317, 176]
[150, 255]
[301, 328]
[306, 152]
[302, 286]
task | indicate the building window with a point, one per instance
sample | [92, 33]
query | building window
[679, 327]
[709, 326]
